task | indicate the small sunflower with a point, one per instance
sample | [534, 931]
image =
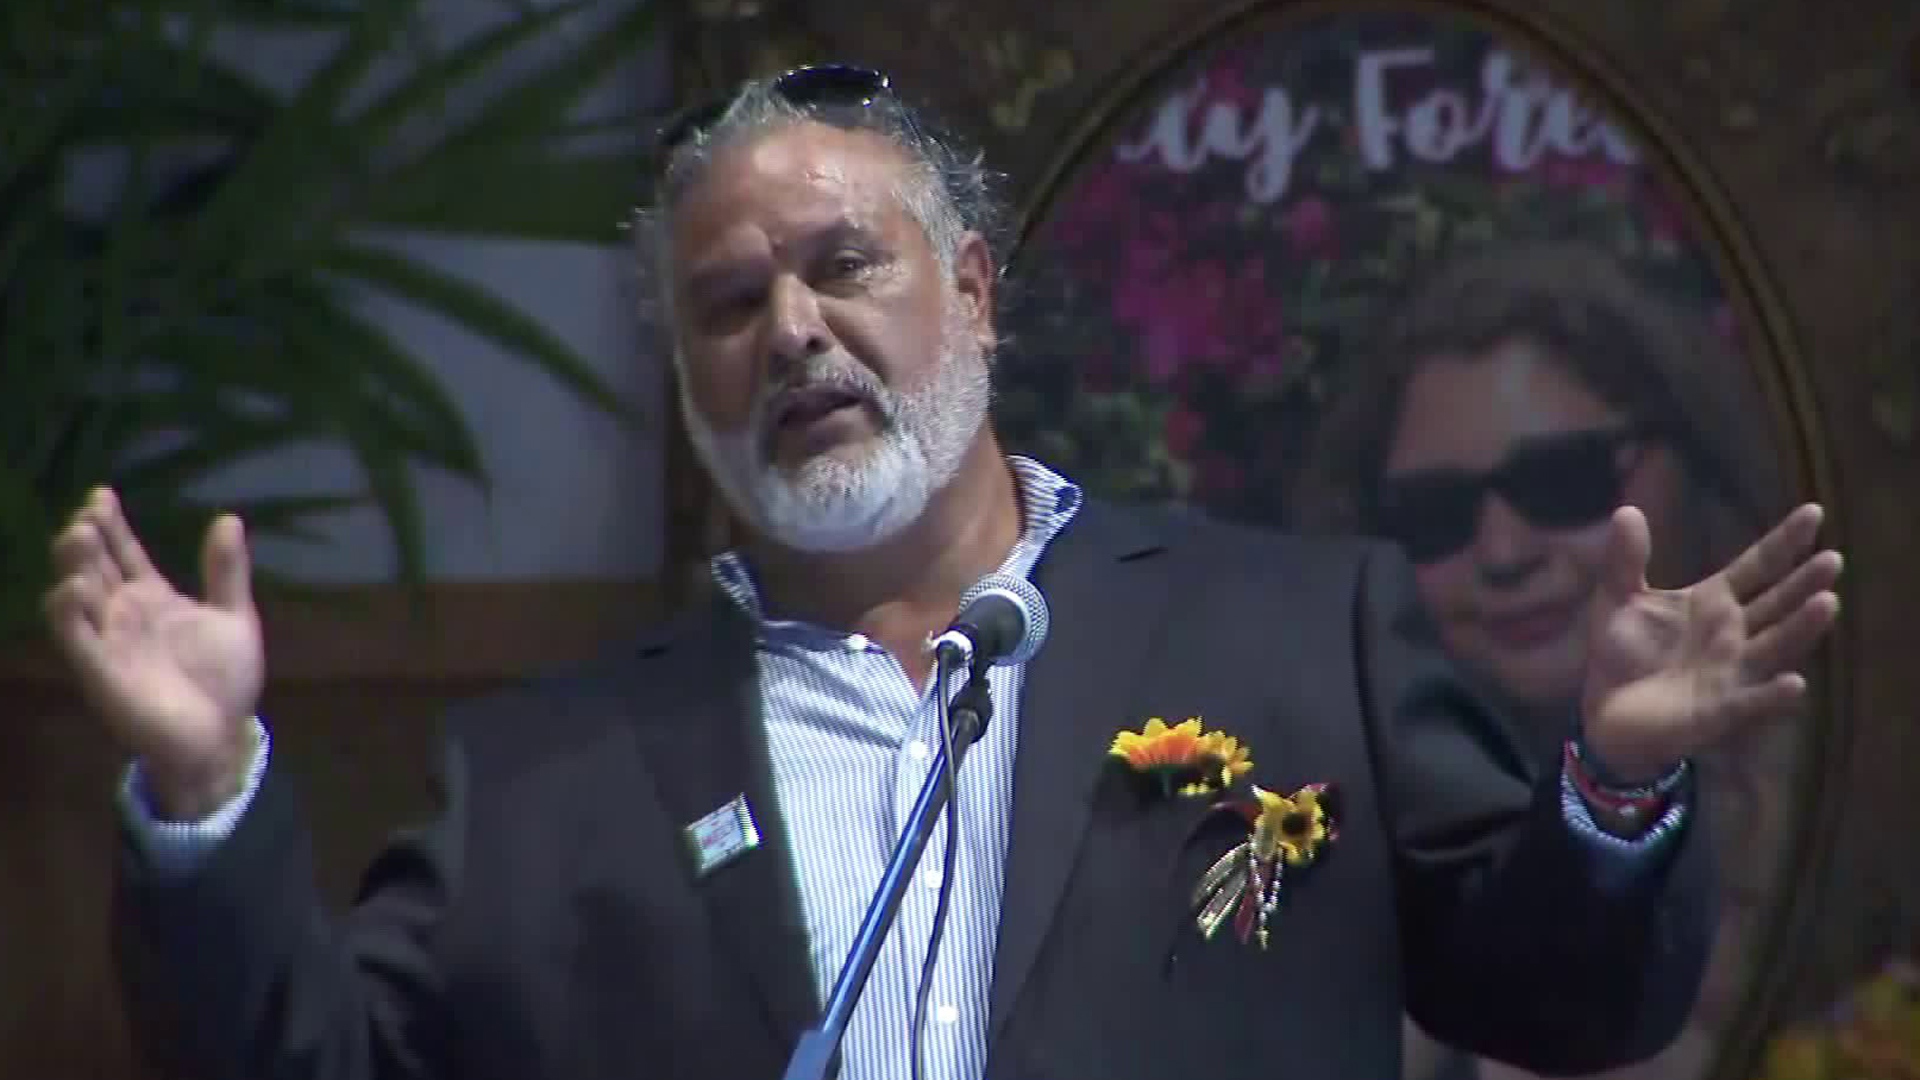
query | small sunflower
[1232, 756]
[1183, 758]
[1294, 827]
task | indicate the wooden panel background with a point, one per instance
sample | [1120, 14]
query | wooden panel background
[356, 687]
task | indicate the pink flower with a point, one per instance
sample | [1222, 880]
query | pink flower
[1309, 228]
[1665, 220]
[1226, 84]
[1153, 247]
[1595, 172]
[1270, 363]
[1106, 192]
[1164, 349]
[1100, 201]
[1205, 316]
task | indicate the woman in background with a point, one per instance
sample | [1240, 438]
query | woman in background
[1516, 400]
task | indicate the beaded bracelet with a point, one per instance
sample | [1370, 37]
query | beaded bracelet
[1632, 804]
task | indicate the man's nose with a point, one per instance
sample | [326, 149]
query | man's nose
[797, 329]
[1507, 549]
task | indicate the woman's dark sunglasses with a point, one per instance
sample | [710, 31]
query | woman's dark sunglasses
[807, 87]
[1559, 481]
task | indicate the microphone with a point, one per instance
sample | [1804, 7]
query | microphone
[1002, 620]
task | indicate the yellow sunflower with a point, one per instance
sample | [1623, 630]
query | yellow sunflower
[1158, 746]
[1291, 826]
[1233, 757]
[1184, 757]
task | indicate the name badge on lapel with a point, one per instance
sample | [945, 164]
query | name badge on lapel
[722, 836]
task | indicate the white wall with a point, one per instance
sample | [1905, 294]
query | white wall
[574, 494]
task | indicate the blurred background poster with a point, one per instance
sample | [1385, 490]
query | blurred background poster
[1387, 273]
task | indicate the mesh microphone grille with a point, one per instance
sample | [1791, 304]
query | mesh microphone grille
[1031, 603]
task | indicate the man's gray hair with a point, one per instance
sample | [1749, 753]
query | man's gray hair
[948, 190]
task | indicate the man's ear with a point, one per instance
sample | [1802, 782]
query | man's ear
[974, 279]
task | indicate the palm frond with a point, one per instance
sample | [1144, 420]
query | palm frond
[290, 516]
[183, 92]
[369, 383]
[529, 112]
[579, 200]
[212, 321]
[206, 440]
[25, 528]
[298, 150]
[427, 88]
[479, 311]
[34, 122]
[294, 14]
[386, 470]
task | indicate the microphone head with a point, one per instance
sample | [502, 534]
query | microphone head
[1012, 610]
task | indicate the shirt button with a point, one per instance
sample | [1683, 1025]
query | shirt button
[857, 642]
[930, 877]
[946, 1014]
[917, 750]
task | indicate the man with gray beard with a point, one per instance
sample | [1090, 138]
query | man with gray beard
[655, 866]
[830, 504]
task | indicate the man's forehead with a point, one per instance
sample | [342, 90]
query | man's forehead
[806, 162]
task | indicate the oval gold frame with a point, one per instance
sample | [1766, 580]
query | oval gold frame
[1795, 423]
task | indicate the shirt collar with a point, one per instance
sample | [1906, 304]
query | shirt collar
[1048, 501]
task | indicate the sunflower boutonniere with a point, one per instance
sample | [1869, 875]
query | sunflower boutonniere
[1287, 831]
[1183, 759]
[1187, 761]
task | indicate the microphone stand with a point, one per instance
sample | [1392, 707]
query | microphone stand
[816, 1056]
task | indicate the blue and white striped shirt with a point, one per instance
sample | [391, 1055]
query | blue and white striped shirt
[852, 739]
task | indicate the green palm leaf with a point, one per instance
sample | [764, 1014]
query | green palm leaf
[479, 311]
[428, 87]
[582, 199]
[291, 516]
[370, 384]
[300, 14]
[297, 152]
[212, 320]
[530, 111]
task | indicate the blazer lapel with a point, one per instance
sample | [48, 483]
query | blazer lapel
[1102, 589]
[705, 745]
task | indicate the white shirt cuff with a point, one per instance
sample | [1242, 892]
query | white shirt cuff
[176, 848]
[1619, 861]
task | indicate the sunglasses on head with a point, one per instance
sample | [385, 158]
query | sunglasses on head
[815, 86]
[1559, 481]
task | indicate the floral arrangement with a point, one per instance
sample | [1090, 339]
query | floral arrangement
[1874, 1034]
[1243, 885]
[1182, 324]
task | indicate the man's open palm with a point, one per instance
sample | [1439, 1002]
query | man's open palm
[176, 678]
[1670, 672]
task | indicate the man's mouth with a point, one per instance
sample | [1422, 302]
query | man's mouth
[801, 410]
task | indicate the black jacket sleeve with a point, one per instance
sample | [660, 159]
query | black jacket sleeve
[237, 970]
[1514, 950]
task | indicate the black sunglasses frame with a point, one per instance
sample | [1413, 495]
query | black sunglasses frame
[1422, 540]
[809, 86]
